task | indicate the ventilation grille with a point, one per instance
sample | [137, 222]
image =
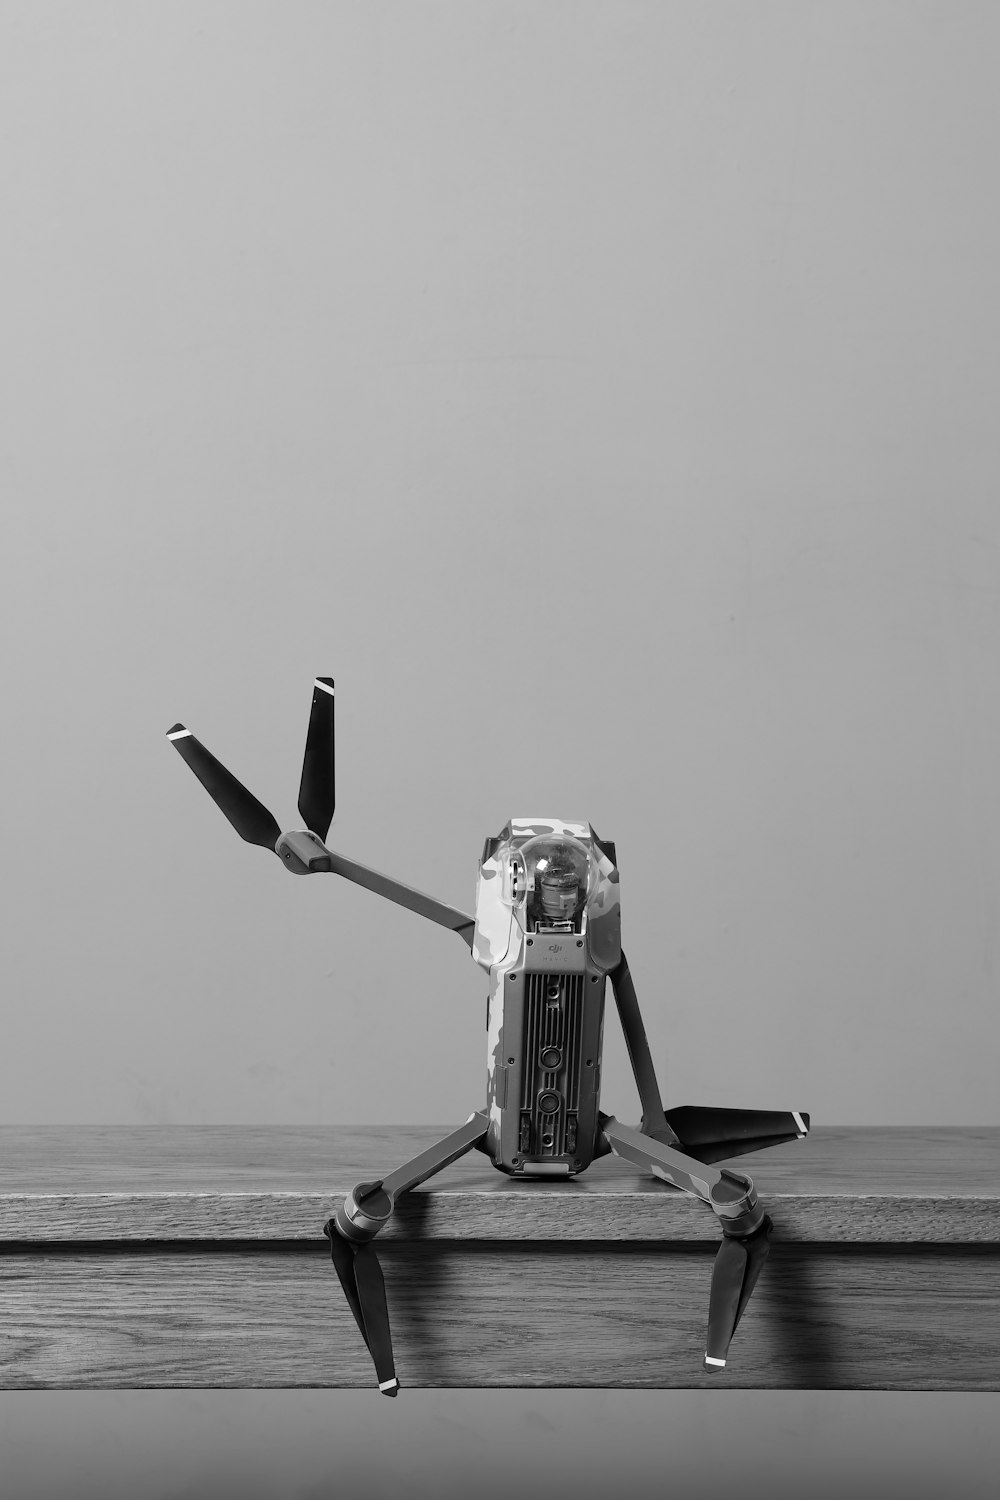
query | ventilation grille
[552, 1021]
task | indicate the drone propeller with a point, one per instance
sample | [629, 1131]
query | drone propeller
[360, 1275]
[249, 817]
[317, 798]
[710, 1134]
[734, 1276]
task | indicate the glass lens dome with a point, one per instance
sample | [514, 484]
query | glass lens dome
[558, 872]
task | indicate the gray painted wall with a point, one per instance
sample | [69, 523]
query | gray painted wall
[605, 394]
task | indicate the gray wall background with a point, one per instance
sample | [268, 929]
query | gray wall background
[605, 394]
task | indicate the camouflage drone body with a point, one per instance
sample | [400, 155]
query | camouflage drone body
[547, 972]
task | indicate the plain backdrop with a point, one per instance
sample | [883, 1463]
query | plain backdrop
[605, 395]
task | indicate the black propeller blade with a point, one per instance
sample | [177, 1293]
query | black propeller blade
[734, 1276]
[711, 1134]
[249, 817]
[360, 1275]
[317, 797]
[371, 1294]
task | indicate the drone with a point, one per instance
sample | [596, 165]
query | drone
[547, 929]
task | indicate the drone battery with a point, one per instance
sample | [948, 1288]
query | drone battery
[545, 1080]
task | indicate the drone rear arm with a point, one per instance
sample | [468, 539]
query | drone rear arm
[654, 1122]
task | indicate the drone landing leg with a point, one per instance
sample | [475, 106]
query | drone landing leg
[367, 1209]
[733, 1199]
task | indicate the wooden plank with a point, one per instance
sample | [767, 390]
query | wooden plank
[471, 1315]
[193, 1256]
[906, 1186]
[854, 1160]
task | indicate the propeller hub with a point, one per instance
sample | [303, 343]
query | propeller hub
[303, 853]
[734, 1199]
[364, 1211]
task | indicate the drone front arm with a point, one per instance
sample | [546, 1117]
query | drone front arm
[365, 1211]
[654, 1122]
[405, 895]
[306, 854]
[746, 1227]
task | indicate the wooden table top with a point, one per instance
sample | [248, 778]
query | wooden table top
[862, 1185]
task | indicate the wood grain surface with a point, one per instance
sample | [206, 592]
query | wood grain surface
[194, 1257]
[471, 1315]
[58, 1184]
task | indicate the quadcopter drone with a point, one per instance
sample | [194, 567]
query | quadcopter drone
[547, 929]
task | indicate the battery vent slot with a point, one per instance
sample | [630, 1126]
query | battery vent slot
[553, 1017]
